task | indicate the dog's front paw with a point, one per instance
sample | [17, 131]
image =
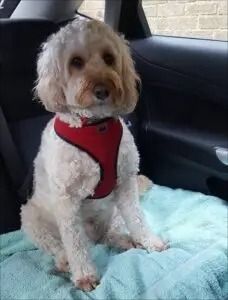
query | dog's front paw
[87, 283]
[152, 243]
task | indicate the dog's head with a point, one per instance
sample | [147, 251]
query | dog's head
[86, 67]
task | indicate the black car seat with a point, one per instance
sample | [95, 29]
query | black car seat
[21, 119]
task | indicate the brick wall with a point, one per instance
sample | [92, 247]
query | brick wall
[191, 18]
[93, 8]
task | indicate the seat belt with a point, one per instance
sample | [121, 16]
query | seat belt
[11, 157]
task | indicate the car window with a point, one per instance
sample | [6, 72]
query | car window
[188, 18]
[93, 9]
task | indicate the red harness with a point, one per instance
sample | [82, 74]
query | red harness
[100, 141]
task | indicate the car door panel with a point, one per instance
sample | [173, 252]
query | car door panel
[183, 111]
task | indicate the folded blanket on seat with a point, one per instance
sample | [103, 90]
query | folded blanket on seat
[194, 267]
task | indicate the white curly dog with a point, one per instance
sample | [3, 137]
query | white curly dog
[86, 76]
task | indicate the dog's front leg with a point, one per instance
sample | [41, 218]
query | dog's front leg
[128, 204]
[76, 243]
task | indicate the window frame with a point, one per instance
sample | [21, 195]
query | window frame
[7, 7]
[115, 16]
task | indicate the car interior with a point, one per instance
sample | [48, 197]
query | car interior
[180, 124]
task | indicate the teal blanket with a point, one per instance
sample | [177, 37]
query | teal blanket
[195, 266]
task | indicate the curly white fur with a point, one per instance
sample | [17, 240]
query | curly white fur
[59, 218]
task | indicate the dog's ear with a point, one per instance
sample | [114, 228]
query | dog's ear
[49, 86]
[131, 80]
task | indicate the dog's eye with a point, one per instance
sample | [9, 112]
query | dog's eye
[108, 59]
[77, 62]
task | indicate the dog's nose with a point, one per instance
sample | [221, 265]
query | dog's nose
[101, 92]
